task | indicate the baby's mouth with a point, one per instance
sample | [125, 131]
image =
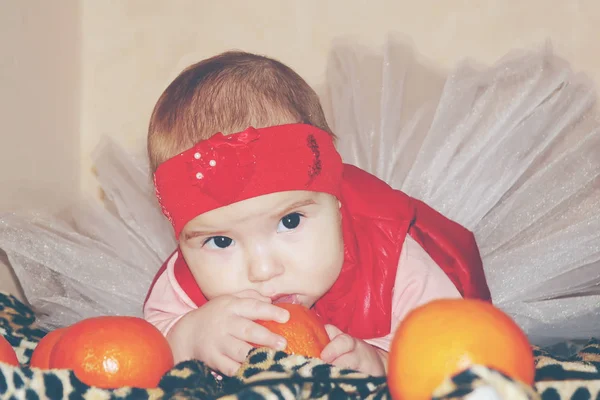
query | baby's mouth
[285, 298]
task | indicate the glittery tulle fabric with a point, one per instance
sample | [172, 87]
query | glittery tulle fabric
[91, 260]
[512, 152]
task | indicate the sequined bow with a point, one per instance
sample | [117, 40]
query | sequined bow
[222, 165]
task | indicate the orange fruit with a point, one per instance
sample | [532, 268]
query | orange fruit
[304, 331]
[7, 353]
[41, 354]
[443, 337]
[113, 351]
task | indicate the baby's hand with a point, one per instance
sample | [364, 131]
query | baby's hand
[220, 332]
[345, 351]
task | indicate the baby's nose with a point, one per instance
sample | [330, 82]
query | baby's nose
[263, 268]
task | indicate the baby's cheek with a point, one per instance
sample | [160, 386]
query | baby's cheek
[321, 281]
[331, 271]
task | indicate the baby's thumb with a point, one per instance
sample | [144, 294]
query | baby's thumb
[332, 331]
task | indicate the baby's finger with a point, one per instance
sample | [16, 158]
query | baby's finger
[252, 294]
[251, 332]
[236, 349]
[332, 331]
[348, 360]
[340, 345]
[254, 309]
[226, 365]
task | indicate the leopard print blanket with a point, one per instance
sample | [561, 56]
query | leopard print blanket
[269, 374]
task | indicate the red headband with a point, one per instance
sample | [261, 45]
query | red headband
[226, 169]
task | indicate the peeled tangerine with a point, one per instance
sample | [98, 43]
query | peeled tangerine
[443, 337]
[304, 331]
[113, 351]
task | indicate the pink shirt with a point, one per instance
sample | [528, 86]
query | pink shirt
[418, 280]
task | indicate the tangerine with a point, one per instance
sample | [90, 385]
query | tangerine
[439, 339]
[7, 353]
[41, 354]
[114, 351]
[304, 332]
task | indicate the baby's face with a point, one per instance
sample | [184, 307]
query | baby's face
[285, 246]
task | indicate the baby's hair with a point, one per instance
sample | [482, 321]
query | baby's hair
[228, 93]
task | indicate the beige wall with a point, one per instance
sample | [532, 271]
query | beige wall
[133, 48]
[60, 95]
[39, 102]
[39, 106]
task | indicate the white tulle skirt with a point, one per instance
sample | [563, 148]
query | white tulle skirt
[510, 151]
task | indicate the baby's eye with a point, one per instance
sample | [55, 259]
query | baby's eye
[220, 242]
[289, 222]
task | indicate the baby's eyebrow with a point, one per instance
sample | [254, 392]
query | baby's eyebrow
[279, 212]
[297, 204]
[193, 234]
[196, 233]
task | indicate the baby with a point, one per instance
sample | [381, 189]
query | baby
[264, 210]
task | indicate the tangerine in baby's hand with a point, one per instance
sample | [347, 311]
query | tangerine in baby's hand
[304, 332]
[7, 353]
[114, 351]
[443, 337]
